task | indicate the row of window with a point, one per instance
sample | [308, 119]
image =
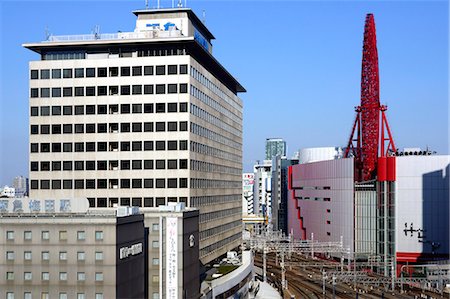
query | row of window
[211, 135]
[219, 229]
[160, 183]
[212, 151]
[45, 276]
[113, 146]
[218, 122]
[88, 91]
[205, 217]
[45, 235]
[46, 295]
[108, 165]
[102, 202]
[136, 127]
[45, 255]
[214, 88]
[208, 249]
[198, 201]
[123, 71]
[108, 109]
[200, 95]
[211, 167]
[206, 184]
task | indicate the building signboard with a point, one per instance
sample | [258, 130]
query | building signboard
[171, 258]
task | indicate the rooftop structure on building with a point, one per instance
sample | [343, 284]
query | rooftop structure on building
[140, 118]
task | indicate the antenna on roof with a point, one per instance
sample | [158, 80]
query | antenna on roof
[47, 33]
[180, 4]
[146, 4]
[204, 17]
[158, 4]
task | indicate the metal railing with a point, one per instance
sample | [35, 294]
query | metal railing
[116, 36]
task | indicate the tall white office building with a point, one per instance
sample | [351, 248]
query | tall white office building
[140, 118]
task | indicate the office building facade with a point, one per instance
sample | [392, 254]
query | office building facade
[140, 118]
[275, 147]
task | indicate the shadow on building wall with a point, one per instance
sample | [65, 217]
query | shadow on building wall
[436, 221]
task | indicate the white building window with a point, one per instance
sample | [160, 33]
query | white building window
[27, 255]
[99, 255]
[9, 295]
[45, 255]
[27, 235]
[98, 276]
[81, 296]
[81, 276]
[81, 256]
[98, 235]
[45, 296]
[10, 255]
[81, 235]
[62, 275]
[27, 295]
[155, 244]
[45, 235]
[155, 227]
[155, 278]
[155, 261]
[62, 295]
[155, 295]
[9, 275]
[10, 236]
[98, 295]
[63, 255]
[27, 276]
[45, 276]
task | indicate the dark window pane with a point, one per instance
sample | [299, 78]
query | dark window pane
[79, 110]
[79, 128]
[148, 183]
[56, 147]
[45, 110]
[45, 129]
[67, 129]
[79, 147]
[67, 184]
[56, 129]
[34, 74]
[67, 110]
[160, 145]
[160, 164]
[160, 183]
[183, 69]
[45, 184]
[45, 74]
[34, 93]
[160, 108]
[171, 69]
[148, 145]
[102, 128]
[90, 128]
[79, 73]
[90, 72]
[67, 165]
[125, 71]
[101, 91]
[148, 164]
[148, 70]
[148, 127]
[90, 165]
[45, 92]
[171, 88]
[56, 74]
[113, 71]
[183, 107]
[56, 92]
[79, 165]
[90, 91]
[183, 88]
[137, 89]
[90, 146]
[172, 107]
[183, 145]
[125, 108]
[101, 72]
[172, 126]
[160, 88]
[67, 91]
[172, 145]
[171, 183]
[136, 108]
[125, 164]
[90, 109]
[67, 147]
[137, 70]
[148, 89]
[56, 165]
[102, 109]
[148, 108]
[160, 126]
[137, 127]
[125, 89]
[183, 125]
[172, 164]
[34, 111]
[67, 73]
[160, 70]
[113, 90]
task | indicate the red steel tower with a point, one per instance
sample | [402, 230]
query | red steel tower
[370, 140]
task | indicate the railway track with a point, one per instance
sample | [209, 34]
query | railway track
[305, 280]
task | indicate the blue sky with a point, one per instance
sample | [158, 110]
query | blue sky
[300, 62]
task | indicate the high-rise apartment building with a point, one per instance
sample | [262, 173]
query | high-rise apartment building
[275, 147]
[140, 118]
[20, 184]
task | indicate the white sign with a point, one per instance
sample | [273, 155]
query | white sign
[172, 257]
[134, 249]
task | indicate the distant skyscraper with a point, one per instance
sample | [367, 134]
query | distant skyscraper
[275, 147]
[280, 191]
[20, 184]
[262, 200]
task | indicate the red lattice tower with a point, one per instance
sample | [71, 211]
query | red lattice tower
[367, 122]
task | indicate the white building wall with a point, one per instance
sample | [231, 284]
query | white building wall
[422, 191]
[325, 201]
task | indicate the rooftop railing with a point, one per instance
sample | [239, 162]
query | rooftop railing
[116, 36]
